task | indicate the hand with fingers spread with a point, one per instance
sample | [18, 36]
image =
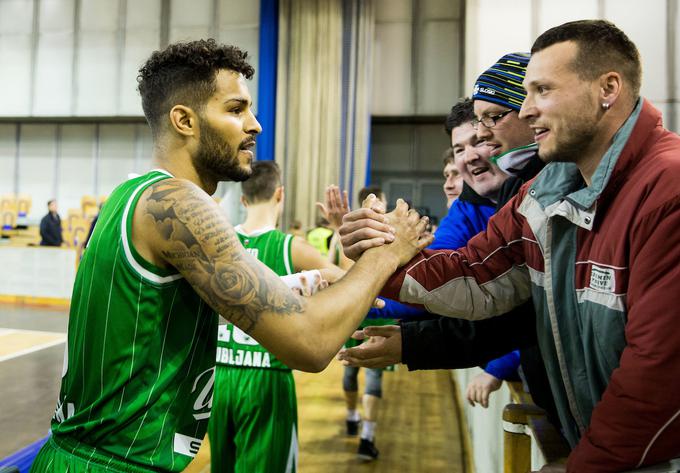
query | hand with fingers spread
[382, 349]
[335, 207]
[410, 236]
[365, 228]
[480, 387]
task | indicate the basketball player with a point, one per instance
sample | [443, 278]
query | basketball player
[163, 260]
[253, 424]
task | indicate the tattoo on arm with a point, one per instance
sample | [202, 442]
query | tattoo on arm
[205, 249]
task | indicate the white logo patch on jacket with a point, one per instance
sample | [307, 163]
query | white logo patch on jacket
[602, 279]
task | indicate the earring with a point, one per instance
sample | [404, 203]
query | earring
[605, 105]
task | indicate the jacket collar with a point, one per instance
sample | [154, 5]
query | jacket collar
[512, 162]
[650, 119]
[469, 195]
[586, 197]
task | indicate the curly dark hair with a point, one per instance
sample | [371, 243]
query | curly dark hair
[602, 47]
[185, 73]
[462, 112]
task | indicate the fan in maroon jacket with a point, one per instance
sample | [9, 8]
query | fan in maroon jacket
[593, 240]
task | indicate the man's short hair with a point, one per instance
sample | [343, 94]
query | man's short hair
[602, 48]
[462, 112]
[49, 202]
[184, 73]
[262, 183]
[448, 157]
[365, 191]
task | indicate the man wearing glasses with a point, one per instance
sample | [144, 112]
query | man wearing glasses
[497, 98]
[482, 132]
[498, 95]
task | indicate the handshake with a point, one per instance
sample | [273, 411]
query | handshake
[400, 233]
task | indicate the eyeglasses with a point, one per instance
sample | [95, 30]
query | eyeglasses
[490, 121]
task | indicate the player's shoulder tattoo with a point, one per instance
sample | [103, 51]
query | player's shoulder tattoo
[202, 245]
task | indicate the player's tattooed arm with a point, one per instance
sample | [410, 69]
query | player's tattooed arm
[196, 238]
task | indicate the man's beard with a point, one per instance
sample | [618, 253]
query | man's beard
[579, 137]
[217, 159]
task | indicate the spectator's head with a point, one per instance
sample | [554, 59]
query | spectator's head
[295, 228]
[52, 205]
[196, 101]
[375, 190]
[498, 95]
[453, 181]
[263, 186]
[582, 82]
[471, 154]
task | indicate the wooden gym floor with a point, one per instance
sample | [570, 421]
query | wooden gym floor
[417, 428]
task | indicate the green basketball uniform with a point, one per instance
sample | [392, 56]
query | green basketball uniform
[254, 421]
[234, 347]
[253, 424]
[138, 375]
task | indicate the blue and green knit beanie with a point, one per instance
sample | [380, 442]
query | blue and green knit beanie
[502, 82]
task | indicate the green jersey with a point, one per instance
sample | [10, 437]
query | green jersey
[139, 365]
[235, 347]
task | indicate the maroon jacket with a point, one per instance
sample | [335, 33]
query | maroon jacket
[602, 264]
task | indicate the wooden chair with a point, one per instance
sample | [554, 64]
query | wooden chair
[8, 202]
[88, 204]
[9, 219]
[79, 235]
[73, 219]
[24, 204]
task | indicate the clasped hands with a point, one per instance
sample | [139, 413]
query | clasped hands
[363, 229]
[370, 227]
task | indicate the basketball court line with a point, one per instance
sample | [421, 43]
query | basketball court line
[16, 342]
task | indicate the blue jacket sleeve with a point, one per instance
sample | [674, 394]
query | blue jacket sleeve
[396, 310]
[463, 221]
[505, 367]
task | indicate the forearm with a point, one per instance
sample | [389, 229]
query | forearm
[398, 311]
[333, 314]
[446, 343]
[329, 271]
[504, 367]
[486, 278]
[178, 223]
[343, 261]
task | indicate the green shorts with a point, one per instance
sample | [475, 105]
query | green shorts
[66, 456]
[253, 422]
